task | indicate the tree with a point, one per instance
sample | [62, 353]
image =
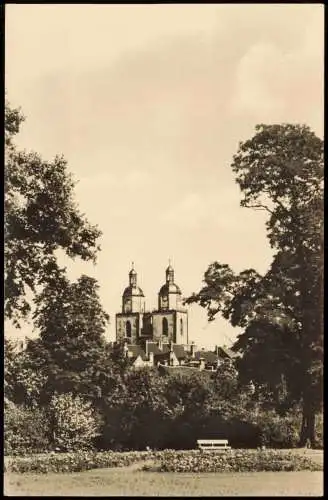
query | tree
[189, 395]
[26, 430]
[72, 350]
[41, 217]
[144, 409]
[279, 170]
[23, 381]
[10, 354]
[74, 423]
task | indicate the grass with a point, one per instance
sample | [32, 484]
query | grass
[132, 482]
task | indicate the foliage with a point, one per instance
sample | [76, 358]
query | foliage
[145, 409]
[41, 216]
[26, 430]
[141, 408]
[319, 431]
[278, 431]
[279, 170]
[74, 462]
[226, 382]
[169, 461]
[135, 413]
[71, 351]
[24, 381]
[10, 354]
[235, 461]
[188, 395]
[73, 422]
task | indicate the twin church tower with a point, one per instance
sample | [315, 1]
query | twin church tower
[169, 323]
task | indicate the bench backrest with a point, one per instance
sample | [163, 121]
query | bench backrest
[211, 442]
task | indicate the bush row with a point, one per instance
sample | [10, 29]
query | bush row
[70, 425]
[73, 462]
[236, 461]
[169, 461]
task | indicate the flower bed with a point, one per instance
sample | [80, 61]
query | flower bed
[168, 461]
[235, 461]
[73, 462]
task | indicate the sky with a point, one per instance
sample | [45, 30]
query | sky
[148, 104]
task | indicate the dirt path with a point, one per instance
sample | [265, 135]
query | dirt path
[138, 465]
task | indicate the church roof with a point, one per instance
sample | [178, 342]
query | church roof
[162, 356]
[153, 347]
[136, 351]
[164, 352]
[179, 351]
[169, 288]
[182, 370]
[208, 356]
[134, 291]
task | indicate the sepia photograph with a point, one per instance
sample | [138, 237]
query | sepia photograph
[163, 249]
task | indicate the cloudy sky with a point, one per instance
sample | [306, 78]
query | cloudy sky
[148, 104]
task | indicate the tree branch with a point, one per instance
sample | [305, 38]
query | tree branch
[259, 207]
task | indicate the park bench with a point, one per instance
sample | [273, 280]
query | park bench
[213, 444]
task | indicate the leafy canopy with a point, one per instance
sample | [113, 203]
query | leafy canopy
[41, 216]
[279, 170]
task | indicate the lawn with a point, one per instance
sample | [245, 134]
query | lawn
[134, 482]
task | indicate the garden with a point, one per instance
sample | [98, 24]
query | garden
[167, 473]
[191, 461]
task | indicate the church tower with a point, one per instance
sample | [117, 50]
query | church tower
[133, 297]
[170, 321]
[129, 323]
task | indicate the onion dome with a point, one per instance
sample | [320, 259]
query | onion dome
[169, 288]
[133, 291]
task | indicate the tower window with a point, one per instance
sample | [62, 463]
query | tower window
[181, 327]
[128, 329]
[165, 326]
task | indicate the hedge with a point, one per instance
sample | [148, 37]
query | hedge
[169, 461]
[72, 462]
[235, 461]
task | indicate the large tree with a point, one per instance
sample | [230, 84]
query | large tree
[71, 351]
[279, 170]
[41, 216]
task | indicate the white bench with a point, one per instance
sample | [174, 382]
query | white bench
[213, 444]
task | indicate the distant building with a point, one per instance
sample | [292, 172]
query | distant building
[160, 338]
[168, 323]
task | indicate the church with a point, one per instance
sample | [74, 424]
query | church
[160, 337]
[169, 323]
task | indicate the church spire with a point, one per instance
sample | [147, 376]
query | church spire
[133, 276]
[170, 273]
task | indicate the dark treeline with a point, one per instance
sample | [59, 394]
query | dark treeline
[116, 407]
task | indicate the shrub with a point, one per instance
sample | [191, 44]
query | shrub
[74, 422]
[235, 461]
[279, 431]
[74, 462]
[319, 431]
[169, 461]
[25, 431]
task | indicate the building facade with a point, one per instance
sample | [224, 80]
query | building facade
[160, 338]
[168, 323]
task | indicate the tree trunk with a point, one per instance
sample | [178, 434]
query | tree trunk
[307, 434]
